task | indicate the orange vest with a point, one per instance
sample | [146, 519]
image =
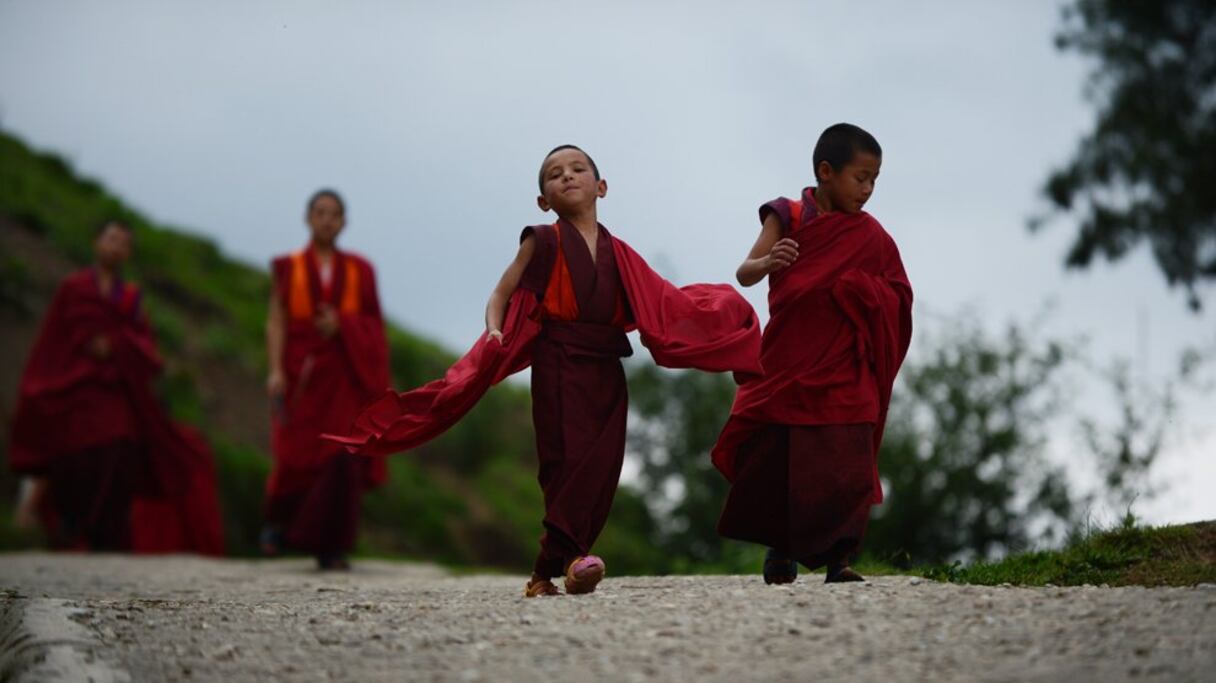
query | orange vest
[559, 302]
[300, 305]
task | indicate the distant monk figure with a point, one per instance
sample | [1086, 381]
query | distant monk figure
[106, 469]
[328, 356]
[801, 445]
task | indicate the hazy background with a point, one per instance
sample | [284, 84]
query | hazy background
[432, 119]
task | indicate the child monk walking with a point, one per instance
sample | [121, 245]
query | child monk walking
[328, 356]
[800, 448]
[563, 306]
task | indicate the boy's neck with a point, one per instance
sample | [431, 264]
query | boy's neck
[822, 200]
[324, 252]
[106, 277]
[586, 222]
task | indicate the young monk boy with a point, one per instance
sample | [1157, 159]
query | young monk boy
[105, 467]
[800, 448]
[328, 356]
[563, 305]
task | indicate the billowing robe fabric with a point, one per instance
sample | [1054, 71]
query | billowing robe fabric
[801, 445]
[315, 487]
[568, 320]
[121, 475]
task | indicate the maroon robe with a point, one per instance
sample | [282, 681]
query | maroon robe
[120, 474]
[313, 493]
[801, 445]
[572, 333]
[579, 396]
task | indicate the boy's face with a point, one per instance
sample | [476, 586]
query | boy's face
[325, 220]
[112, 247]
[850, 187]
[568, 183]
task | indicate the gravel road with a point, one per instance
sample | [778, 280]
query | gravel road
[185, 618]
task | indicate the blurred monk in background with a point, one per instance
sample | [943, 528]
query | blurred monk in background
[105, 467]
[328, 356]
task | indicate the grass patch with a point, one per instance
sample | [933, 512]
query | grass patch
[1128, 555]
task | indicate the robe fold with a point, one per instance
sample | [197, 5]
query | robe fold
[567, 320]
[314, 488]
[801, 444]
[121, 474]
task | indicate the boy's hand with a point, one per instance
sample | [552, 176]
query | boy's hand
[495, 334]
[276, 385]
[327, 321]
[99, 347]
[781, 255]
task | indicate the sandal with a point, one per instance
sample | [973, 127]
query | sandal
[584, 574]
[778, 568]
[842, 573]
[537, 588]
[270, 541]
[333, 563]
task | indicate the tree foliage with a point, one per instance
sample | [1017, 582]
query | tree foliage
[965, 462]
[675, 420]
[1146, 171]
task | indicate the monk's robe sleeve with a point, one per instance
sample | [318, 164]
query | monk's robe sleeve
[779, 207]
[362, 335]
[709, 327]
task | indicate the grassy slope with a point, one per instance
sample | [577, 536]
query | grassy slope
[468, 497]
[1129, 555]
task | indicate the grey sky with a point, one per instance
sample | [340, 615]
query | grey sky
[432, 118]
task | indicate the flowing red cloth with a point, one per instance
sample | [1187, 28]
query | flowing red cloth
[703, 326]
[328, 379]
[71, 403]
[839, 327]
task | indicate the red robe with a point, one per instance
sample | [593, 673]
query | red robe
[314, 489]
[121, 474]
[801, 444]
[568, 321]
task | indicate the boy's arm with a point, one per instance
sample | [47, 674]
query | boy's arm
[276, 337]
[496, 308]
[770, 253]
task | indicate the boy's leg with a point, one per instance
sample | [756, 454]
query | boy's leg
[757, 506]
[831, 478]
[779, 567]
[839, 557]
[325, 520]
[579, 406]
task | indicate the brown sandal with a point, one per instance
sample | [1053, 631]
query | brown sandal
[539, 588]
[842, 574]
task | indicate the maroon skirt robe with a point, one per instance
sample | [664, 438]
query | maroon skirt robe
[579, 396]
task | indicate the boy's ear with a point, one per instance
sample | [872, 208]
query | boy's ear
[824, 171]
[601, 188]
[543, 203]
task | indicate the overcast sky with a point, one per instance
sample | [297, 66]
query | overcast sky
[432, 119]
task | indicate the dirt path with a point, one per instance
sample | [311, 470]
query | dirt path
[180, 618]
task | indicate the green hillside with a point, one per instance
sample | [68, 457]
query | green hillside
[470, 497]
